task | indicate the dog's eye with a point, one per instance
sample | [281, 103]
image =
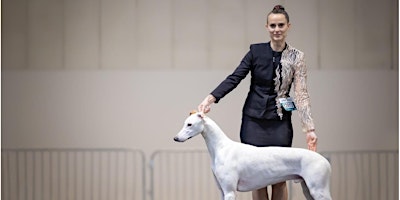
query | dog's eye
[189, 124]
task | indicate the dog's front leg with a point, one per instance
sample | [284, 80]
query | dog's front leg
[229, 195]
[226, 194]
[219, 186]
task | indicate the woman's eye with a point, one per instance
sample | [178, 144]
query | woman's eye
[272, 25]
[281, 25]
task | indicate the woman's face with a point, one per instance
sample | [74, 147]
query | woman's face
[277, 27]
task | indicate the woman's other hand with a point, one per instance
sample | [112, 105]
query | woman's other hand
[312, 140]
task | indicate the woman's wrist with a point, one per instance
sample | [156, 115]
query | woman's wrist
[211, 99]
[310, 130]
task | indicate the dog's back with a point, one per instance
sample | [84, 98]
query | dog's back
[258, 167]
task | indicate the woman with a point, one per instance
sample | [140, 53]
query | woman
[274, 66]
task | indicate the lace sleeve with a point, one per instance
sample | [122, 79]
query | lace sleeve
[302, 98]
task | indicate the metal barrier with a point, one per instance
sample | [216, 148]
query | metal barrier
[182, 175]
[186, 174]
[79, 174]
[120, 174]
[364, 174]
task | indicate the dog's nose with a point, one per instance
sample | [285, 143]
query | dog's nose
[176, 139]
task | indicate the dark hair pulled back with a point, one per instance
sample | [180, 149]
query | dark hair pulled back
[279, 9]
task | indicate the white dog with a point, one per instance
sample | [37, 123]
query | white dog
[241, 167]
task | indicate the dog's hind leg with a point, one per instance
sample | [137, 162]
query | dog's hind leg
[317, 190]
[306, 191]
[319, 186]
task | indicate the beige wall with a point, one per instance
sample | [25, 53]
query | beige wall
[201, 34]
[97, 73]
[78, 73]
[353, 110]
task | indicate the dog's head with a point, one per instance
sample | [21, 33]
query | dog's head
[193, 126]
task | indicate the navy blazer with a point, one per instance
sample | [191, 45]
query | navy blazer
[261, 98]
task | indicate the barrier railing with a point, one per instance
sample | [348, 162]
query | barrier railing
[186, 174]
[79, 174]
[100, 174]
[364, 175]
[182, 175]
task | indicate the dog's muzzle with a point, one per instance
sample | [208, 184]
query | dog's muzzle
[176, 139]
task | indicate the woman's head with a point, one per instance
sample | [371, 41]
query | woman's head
[278, 23]
[278, 9]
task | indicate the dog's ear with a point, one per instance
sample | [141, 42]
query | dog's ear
[192, 112]
[201, 115]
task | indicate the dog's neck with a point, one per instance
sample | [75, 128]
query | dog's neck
[213, 136]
